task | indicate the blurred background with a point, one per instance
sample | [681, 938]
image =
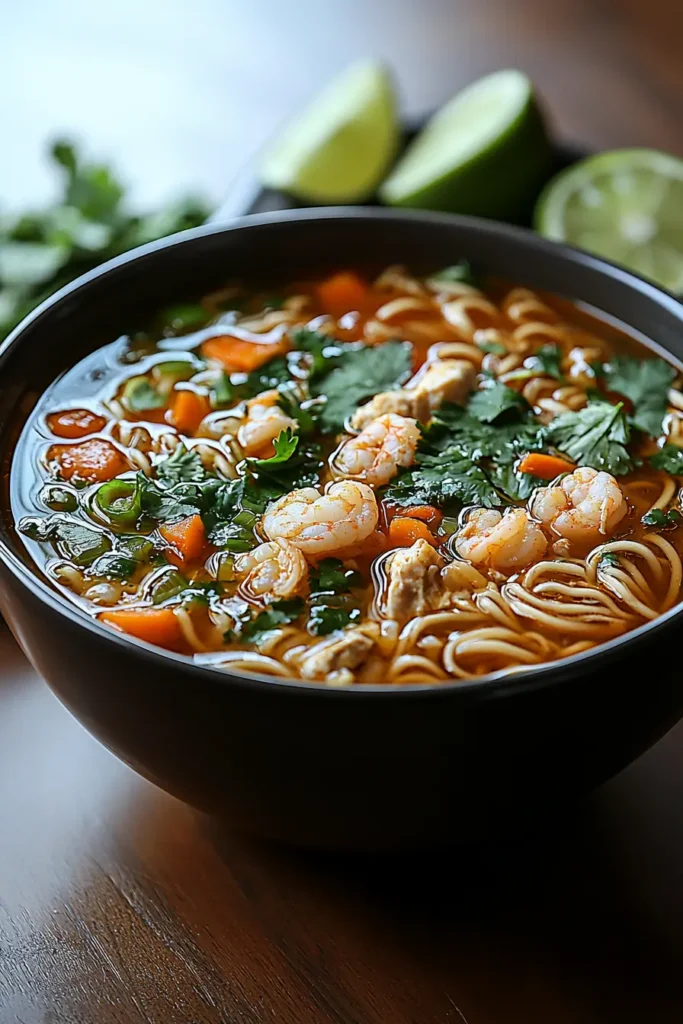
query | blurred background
[179, 94]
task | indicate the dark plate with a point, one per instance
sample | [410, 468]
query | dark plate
[364, 767]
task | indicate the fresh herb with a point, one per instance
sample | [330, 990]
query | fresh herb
[170, 505]
[645, 382]
[43, 250]
[280, 613]
[182, 466]
[665, 520]
[594, 436]
[492, 347]
[494, 401]
[669, 458]
[285, 444]
[363, 372]
[546, 361]
[333, 604]
[324, 352]
[610, 558]
[463, 461]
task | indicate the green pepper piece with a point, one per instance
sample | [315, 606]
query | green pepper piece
[113, 566]
[139, 396]
[137, 547]
[79, 543]
[184, 316]
[119, 501]
[167, 374]
[167, 586]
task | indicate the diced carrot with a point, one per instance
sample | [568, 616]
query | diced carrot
[343, 292]
[403, 532]
[239, 356]
[427, 513]
[75, 423]
[188, 538]
[94, 461]
[155, 625]
[188, 409]
[547, 467]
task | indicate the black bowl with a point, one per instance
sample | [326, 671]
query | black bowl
[362, 768]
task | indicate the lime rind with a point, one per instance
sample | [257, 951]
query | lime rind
[485, 152]
[625, 205]
[341, 146]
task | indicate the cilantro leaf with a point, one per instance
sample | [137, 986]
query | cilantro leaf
[285, 444]
[546, 360]
[609, 558]
[324, 352]
[280, 613]
[645, 382]
[182, 466]
[362, 373]
[495, 400]
[669, 458]
[333, 603]
[665, 520]
[463, 461]
[594, 436]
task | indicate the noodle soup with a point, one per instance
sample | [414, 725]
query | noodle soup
[404, 480]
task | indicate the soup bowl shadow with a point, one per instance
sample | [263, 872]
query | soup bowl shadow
[365, 768]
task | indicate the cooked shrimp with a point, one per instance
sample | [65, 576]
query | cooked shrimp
[319, 524]
[376, 453]
[587, 503]
[265, 420]
[506, 542]
[271, 572]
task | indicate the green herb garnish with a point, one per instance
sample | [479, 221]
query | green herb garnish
[664, 520]
[595, 436]
[645, 382]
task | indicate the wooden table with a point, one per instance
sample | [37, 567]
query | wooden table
[119, 905]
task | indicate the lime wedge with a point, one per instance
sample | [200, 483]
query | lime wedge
[339, 149]
[485, 152]
[626, 205]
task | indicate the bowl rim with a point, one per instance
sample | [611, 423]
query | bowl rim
[493, 684]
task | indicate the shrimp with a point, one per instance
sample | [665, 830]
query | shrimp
[265, 420]
[321, 524]
[271, 571]
[507, 541]
[586, 503]
[376, 453]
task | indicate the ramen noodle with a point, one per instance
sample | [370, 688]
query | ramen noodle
[405, 480]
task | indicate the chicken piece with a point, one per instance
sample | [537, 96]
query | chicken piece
[400, 402]
[347, 651]
[444, 380]
[415, 583]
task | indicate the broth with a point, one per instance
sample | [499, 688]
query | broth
[409, 480]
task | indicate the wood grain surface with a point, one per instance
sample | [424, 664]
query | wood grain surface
[119, 905]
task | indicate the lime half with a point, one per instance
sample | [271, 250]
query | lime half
[626, 205]
[340, 148]
[485, 152]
